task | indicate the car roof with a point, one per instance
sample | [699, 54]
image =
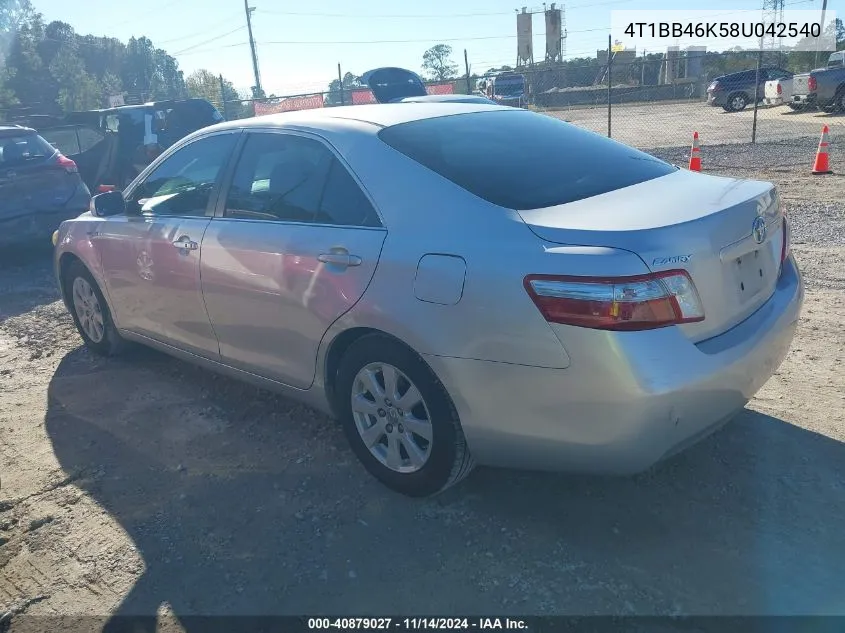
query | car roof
[379, 115]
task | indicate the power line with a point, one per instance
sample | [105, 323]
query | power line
[204, 31]
[208, 41]
[466, 39]
[153, 11]
[441, 16]
[418, 41]
[438, 16]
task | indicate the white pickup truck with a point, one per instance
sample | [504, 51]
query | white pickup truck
[777, 92]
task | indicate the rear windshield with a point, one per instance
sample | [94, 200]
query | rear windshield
[521, 160]
[16, 149]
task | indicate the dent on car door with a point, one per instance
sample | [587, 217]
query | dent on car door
[295, 248]
[151, 255]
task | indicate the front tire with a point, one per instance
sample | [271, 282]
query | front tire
[90, 312]
[399, 419]
[736, 102]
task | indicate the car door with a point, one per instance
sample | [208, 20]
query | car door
[293, 246]
[151, 255]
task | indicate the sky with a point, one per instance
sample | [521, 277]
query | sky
[300, 44]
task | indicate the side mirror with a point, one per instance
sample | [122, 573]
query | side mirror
[107, 204]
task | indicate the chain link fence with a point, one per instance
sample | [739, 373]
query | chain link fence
[652, 102]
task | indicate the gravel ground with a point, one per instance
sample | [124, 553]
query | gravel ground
[658, 124]
[144, 485]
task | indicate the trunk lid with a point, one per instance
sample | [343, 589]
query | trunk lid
[725, 233]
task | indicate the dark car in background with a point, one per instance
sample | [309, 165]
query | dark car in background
[399, 85]
[39, 187]
[735, 91]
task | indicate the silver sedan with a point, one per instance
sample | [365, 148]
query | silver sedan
[456, 283]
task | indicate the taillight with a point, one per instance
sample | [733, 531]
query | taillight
[811, 84]
[780, 89]
[642, 302]
[67, 164]
[105, 188]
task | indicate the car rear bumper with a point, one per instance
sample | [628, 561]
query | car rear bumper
[773, 101]
[804, 100]
[628, 400]
[718, 99]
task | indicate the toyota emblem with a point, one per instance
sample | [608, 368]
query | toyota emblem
[758, 229]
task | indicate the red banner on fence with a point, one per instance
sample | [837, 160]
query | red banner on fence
[363, 96]
[289, 105]
[440, 89]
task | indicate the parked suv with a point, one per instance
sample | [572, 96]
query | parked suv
[113, 146]
[39, 187]
[735, 91]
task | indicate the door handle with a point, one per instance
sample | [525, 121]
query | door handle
[339, 259]
[186, 243]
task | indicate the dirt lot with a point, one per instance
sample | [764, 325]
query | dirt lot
[669, 124]
[144, 485]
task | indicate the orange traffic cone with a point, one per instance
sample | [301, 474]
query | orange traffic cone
[822, 163]
[695, 155]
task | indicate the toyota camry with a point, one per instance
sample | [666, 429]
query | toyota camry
[456, 283]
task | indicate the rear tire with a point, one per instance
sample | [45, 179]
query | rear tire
[839, 101]
[90, 312]
[414, 442]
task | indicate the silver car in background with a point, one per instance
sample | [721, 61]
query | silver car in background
[456, 283]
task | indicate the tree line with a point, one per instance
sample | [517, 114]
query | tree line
[48, 68]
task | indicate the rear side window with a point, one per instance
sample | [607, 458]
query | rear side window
[19, 149]
[278, 177]
[522, 160]
[88, 138]
[291, 178]
[343, 201]
[63, 139]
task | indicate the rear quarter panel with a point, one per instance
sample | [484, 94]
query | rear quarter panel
[494, 319]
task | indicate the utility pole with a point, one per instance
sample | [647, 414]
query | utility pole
[821, 27]
[340, 83]
[609, 83]
[222, 96]
[642, 70]
[466, 65]
[249, 11]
